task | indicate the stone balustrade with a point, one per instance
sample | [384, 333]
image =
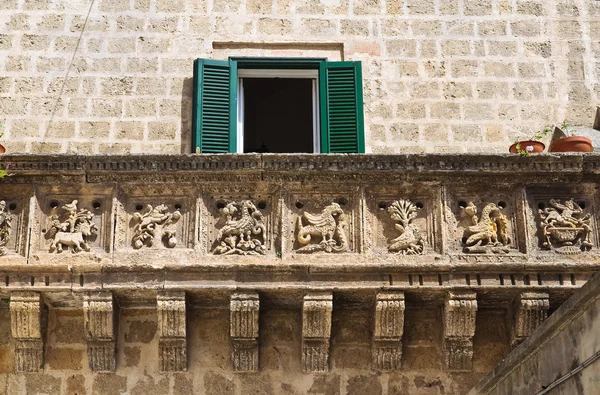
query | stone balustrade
[464, 231]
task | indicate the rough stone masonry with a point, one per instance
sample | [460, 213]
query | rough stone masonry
[439, 75]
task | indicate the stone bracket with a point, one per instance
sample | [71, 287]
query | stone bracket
[243, 328]
[460, 309]
[172, 343]
[388, 330]
[316, 331]
[530, 310]
[28, 327]
[100, 320]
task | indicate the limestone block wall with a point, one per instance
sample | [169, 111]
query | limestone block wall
[209, 369]
[108, 76]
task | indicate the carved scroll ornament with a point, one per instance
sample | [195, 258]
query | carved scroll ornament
[74, 232]
[565, 227]
[152, 222]
[410, 241]
[325, 230]
[489, 233]
[5, 228]
[244, 231]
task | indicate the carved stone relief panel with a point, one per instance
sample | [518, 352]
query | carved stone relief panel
[401, 221]
[156, 218]
[73, 222]
[563, 220]
[483, 223]
[237, 224]
[322, 221]
[14, 210]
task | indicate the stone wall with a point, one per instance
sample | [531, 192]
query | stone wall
[561, 357]
[439, 76]
[210, 370]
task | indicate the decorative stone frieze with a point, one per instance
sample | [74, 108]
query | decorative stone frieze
[244, 231]
[73, 232]
[316, 331]
[530, 310]
[322, 232]
[5, 227]
[489, 233]
[153, 222]
[27, 323]
[410, 241]
[100, 320]
[388, 330]
[172, 343]
[243, 328]
[460, 309]
[566, 229]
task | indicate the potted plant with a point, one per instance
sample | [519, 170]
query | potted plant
[532, 145]
[569, 141]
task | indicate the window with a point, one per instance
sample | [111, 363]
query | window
[277, 105]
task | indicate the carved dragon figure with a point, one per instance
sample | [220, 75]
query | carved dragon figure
[5, 228]
[565, 227]
[489, 233]
[329, 226]
[410, 241]
[152, 221]
[73, 231]
[244, 230]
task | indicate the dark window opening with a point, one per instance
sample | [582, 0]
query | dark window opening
[278, 115]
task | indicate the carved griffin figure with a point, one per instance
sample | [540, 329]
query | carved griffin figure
[410, 241]
[152, 221]
[489, 233]
[244, 230]
[74, 231]
[5, 228]
[329, 227]
[565, 227]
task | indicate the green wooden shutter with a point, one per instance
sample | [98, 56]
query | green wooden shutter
[341, 107]
[215, 106]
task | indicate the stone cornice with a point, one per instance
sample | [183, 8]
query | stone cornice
[302, 167]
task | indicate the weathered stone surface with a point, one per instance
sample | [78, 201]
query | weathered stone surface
[216, 384]
[244, 318]
[460, 309]
[100, 323]
[172, 345]
[109, 384]
[316, 331]
[530, 310]
[27, 318]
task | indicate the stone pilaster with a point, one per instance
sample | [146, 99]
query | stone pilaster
[100, 323]
[243, 328]
[530, 310]
[460, 309]
[172, 342]
[27, 324]
[316, 331]
[388, 331]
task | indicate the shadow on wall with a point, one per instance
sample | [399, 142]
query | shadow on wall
[186, 115]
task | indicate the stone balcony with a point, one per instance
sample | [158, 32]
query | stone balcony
[456, 231]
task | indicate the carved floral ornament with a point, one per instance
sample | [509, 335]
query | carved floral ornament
[322, 232]
[489, 233]
[153, 221]
[244, 232]
[74, 232]
[565, 227]
[410, 241]
[5, 227]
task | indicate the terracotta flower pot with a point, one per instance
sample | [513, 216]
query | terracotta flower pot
[531, 146]
[572, 144]
[2, 149]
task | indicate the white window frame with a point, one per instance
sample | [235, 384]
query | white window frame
[313, 75]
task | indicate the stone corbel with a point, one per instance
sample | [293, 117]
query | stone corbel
[243, 323]
[460, 309]
[172, 343]
[100, 321]
[530, 310]
[316, 331]
[388, 331]
[27, 319]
